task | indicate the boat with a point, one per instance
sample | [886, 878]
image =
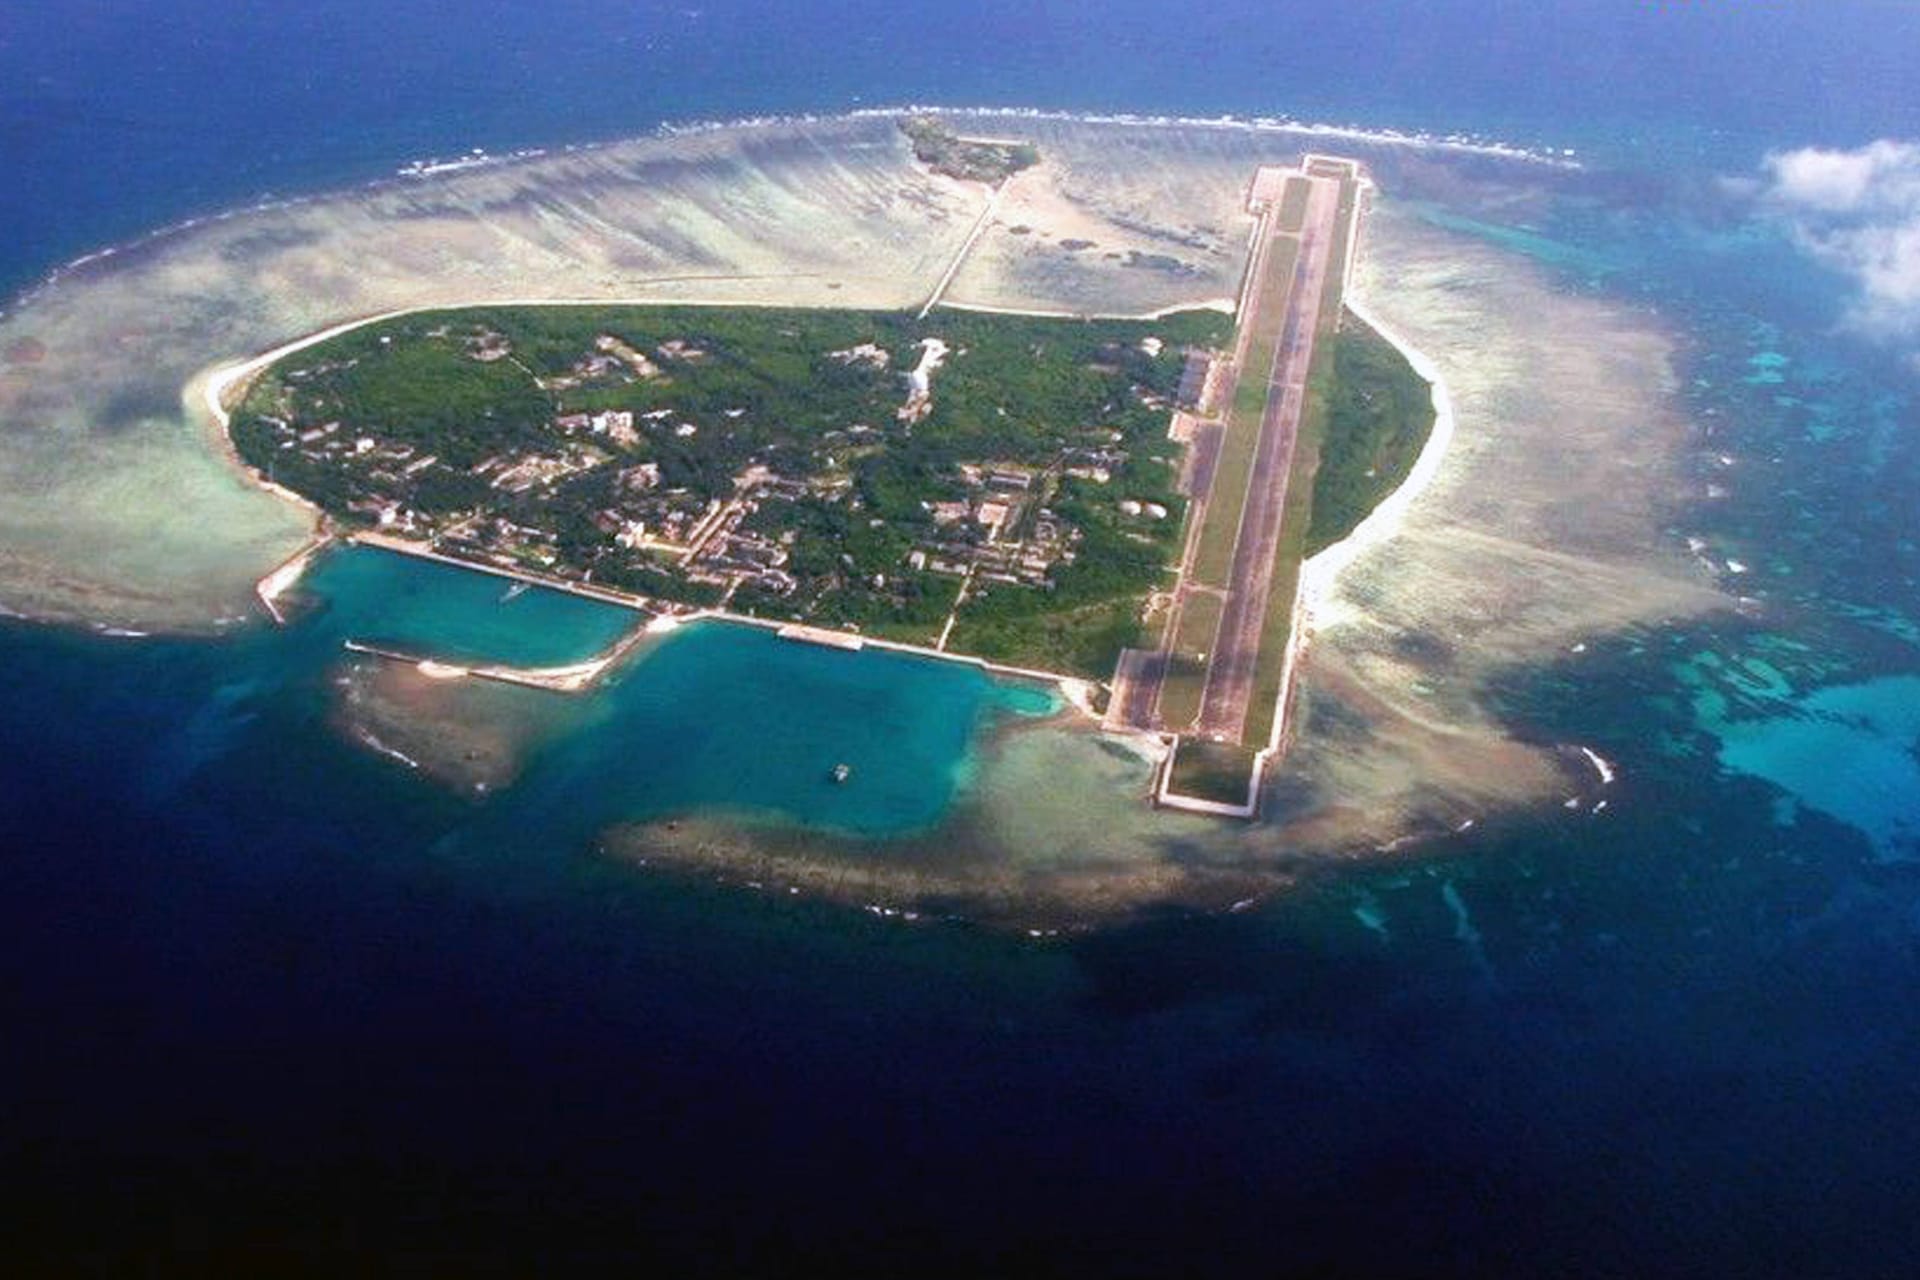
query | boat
[841, 772]
[514, 592]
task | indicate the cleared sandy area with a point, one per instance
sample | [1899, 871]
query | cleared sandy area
[1118, 220]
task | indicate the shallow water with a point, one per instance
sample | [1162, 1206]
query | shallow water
[1848, 750]
[431, 610]
[713, 715]
[731, 717]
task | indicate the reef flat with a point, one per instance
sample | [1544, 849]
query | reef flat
[1541, 528]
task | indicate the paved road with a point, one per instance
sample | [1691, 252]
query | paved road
[1136, 688]
[966, 247]
[1203, 458]
[1230, 674]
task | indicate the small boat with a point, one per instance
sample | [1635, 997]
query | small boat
[841, 772]
[514, 592]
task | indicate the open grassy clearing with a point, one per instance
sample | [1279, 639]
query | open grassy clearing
[1082, 641]
[1180, 691]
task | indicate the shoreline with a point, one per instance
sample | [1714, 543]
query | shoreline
[216, 382]
[217, 389]
[1320, 571]
[1075, 691]
[1331, 605]
[209, 392]
[1317, 573]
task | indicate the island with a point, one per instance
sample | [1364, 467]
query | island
[1527, 528]
[1127, 501]
[1004, 486]
[989, 160]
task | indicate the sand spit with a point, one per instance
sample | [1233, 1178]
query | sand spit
[472, 736]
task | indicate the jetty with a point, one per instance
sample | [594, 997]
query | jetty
[575, 677]
[821, 635]
[282, 578]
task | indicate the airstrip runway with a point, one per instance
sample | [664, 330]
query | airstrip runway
[1231, 671]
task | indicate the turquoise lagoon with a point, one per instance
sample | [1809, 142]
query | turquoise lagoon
[442, 611]
[715, 717]
[727, 717]
[1847, 750]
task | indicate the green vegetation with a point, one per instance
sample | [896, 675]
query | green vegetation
[780, 461]
[1085, 640]
[1378, 419]
[1216, 771]
[971, 159]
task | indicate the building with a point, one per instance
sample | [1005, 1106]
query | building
[1193, 379]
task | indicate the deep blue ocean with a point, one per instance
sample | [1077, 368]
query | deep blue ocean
[263, 1006]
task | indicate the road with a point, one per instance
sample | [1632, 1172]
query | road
[1235, 659]
[1136, 688]
[966, 247]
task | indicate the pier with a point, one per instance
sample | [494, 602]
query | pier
[820, 635]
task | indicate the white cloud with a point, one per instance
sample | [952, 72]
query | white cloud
[1859, 211]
